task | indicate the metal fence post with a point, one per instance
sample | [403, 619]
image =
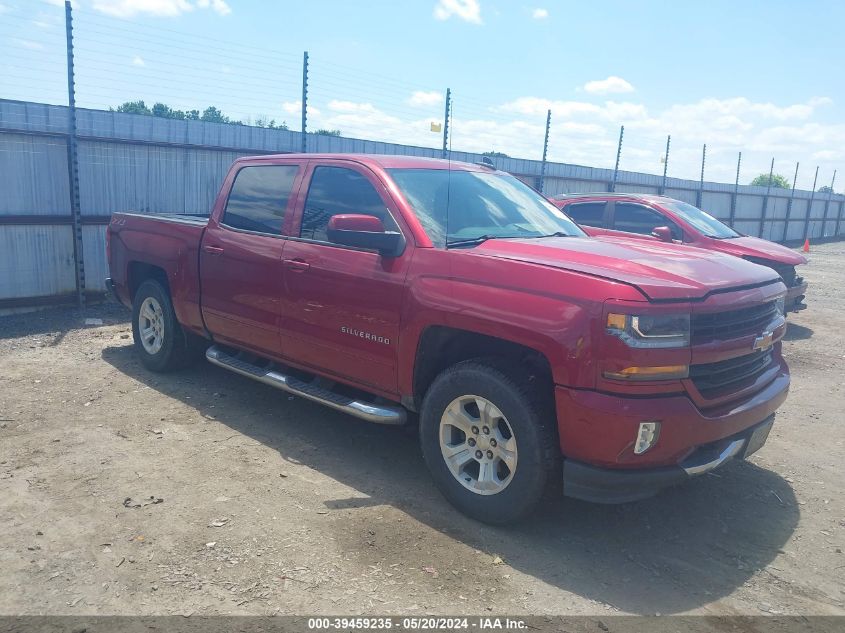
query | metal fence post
[665, 166]
[810, 205]
[789, 204]
[766, 198]
[446, 117]
[736, 191]
[827, 203]
[304, 101]
[701, 182]
[73, 163]
[839, 217]
[618, 156]
[542, 180]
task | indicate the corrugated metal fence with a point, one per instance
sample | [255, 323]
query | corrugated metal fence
[153, 165]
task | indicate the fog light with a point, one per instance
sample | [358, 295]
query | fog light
[646, 437]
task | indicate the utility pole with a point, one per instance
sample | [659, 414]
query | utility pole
[446, 117]
[304, 101]
[618, 156]
[701, 182]
[827, 203]
[73, 163]
[665, 166]
[545, 152]
[789, 204]
[736, 191]
[810, 205]
[766, 199]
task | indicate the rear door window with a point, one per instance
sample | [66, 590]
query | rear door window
[637, 218]
[587, 213]
[259, 198]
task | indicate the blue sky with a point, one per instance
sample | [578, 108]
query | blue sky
[751, 76]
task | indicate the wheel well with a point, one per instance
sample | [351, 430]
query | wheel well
[441, 347]
[139, 272]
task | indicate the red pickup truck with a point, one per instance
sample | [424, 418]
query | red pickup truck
[658, 217]
[403, 289]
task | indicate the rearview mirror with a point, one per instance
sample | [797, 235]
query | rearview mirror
[663, 233]
[365, 231]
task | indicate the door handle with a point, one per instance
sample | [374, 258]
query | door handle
[297, 265]
[212, 250]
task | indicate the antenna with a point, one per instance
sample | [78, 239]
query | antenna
[449, 106]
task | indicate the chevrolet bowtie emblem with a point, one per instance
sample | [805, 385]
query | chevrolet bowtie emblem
[764, 341]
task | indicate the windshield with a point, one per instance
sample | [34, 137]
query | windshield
[701, 221]
[478, 205]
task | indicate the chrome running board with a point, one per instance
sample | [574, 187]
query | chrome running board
[270, 375]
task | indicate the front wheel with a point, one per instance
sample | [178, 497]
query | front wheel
[487, 439]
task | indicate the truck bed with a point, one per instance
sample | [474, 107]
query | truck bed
[169, 242]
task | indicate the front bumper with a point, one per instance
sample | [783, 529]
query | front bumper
[794, 301]
[606, 485]
[597, 433]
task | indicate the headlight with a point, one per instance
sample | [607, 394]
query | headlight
[780, 304]
[650, 331]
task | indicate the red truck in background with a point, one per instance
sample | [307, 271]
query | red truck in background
[395, 288]
[658, 217]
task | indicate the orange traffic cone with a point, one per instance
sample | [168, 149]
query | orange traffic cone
[806, 248]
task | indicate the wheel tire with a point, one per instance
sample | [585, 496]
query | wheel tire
[169, 349]
[528, 415]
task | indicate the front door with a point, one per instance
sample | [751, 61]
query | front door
[241, 258]
[342, 304]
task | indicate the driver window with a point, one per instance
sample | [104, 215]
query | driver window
[336, 190]
[636, 218]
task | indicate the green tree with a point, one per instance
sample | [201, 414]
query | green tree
[778, 181]
[133, 107]
[825, 189]
[495, 154]
[325, 132]
[213, 115]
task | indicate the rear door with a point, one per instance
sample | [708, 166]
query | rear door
[241, 256]
[342, 304]
[592, 215]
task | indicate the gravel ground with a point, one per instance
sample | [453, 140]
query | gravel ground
[126, 492]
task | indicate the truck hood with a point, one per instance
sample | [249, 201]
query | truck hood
[662, 272]
[747, 246]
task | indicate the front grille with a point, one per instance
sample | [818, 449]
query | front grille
[720, 326]
[726, 376]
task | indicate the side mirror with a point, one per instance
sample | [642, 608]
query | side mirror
[365, 231]
[663, 233]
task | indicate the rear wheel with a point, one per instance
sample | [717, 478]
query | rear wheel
[487, 439]
[159, 339]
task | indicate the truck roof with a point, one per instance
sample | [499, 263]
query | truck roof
[385, 161]
[653, 197]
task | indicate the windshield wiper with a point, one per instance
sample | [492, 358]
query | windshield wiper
[555, 234]
[475, 241]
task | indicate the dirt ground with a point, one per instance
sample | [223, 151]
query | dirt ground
[127, 492]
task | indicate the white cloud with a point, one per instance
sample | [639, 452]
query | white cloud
[422, 98]
[611, 85]
[540, 14]
[160, 8]
[138, 61]
[4, 8]
[586, 133]
[29, 44]
[467, 10]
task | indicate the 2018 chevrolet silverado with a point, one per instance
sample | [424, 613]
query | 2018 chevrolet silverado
[396, 288]
[658, 217]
